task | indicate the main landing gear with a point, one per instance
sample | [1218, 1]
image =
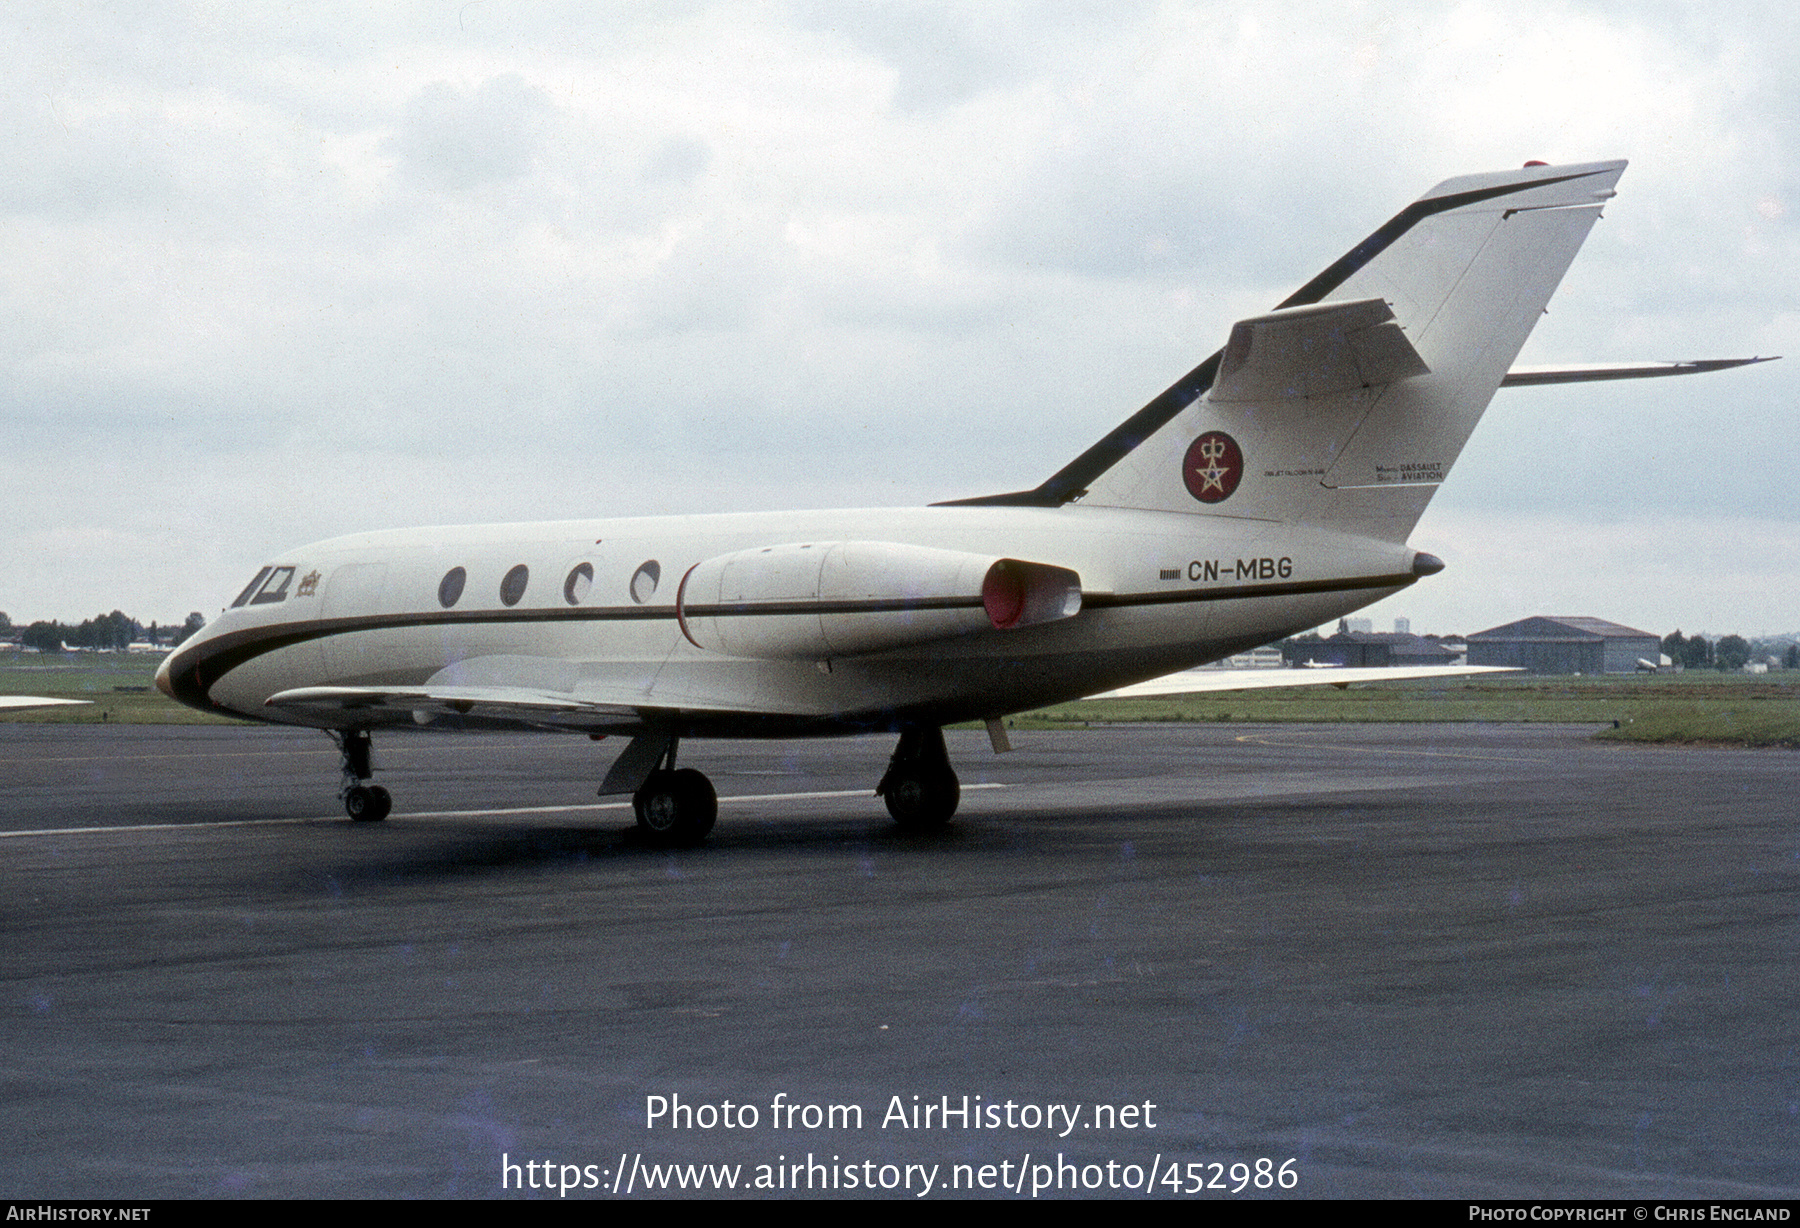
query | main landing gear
[919, 787]
[675, 806]
[363, 802]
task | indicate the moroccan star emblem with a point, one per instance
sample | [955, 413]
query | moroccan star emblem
[1212, 473]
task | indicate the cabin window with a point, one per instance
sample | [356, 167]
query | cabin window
[275, 587]
[513, 586]
[451, 586]
[644, 580]
[252, 587]
[581, 579]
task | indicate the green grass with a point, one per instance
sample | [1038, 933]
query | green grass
[1748, 721]
[1732, 709]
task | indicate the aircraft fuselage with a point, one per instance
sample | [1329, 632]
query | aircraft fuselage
[595, 611]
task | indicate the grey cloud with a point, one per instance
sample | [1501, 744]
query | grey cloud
[454, 139]
[943, 54]
[279, 262]
[677, 160]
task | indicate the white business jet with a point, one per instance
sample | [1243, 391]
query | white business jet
[1270, 490]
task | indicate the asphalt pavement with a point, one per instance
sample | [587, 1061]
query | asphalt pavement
[1186, 961]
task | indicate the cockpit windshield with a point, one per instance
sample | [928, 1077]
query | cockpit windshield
[252, 587]
[270, 585]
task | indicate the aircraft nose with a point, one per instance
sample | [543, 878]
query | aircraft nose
[162, 677]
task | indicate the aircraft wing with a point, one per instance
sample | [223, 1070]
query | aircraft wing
[587, 710]
[37, 701]
[1198, 681]
[492, 705]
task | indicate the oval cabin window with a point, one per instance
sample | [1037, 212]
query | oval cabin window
[580, 581]
[450, 588]
[644, 580]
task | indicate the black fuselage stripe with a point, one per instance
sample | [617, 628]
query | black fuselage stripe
[1074, 478]
[1245, 592]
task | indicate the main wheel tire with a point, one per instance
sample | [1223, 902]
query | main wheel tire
[368, 803]
[676, 808]
[921, 799]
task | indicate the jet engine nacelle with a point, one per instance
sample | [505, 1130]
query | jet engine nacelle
[831, 599]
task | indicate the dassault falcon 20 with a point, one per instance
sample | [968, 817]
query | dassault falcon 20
[1270, 489]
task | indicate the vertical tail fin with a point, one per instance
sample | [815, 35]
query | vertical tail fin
[1347, 405]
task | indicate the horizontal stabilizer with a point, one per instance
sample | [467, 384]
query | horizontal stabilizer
[1525, 376]
[1315, 351]
[37, 701]
[1199, 681]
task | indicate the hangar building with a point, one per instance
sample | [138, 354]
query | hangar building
[1565, 646]
[1370, 649]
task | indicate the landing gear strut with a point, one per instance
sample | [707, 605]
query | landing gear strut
[920, 788]
[363, 802]
[675, 806]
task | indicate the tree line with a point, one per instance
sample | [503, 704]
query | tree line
[103, 632]
[1728, 652]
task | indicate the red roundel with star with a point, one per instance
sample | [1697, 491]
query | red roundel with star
[1213, 465]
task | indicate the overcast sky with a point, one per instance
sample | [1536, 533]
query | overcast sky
[277, 273]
